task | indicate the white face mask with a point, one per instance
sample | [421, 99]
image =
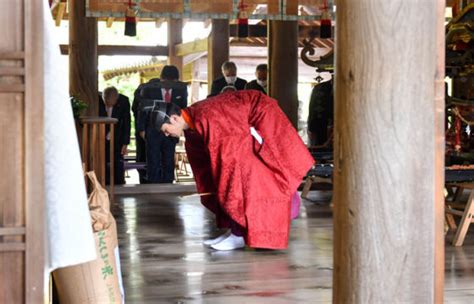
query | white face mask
[262, 83]
[230, 79]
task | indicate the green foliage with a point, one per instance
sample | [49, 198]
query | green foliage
[125, 84]
[78, 106]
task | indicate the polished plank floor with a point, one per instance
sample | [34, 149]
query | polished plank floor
[164, 261]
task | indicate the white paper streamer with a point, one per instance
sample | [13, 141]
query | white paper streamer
[69, 234]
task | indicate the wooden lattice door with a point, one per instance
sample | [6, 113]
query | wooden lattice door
[21, 152]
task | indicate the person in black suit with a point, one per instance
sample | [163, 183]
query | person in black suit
[160, 149]
[117, 106]
[229, 70]
[139, 141]
[259, 84]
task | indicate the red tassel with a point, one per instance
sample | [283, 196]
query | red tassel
[242, 21]
[326, 23]
[130, 21]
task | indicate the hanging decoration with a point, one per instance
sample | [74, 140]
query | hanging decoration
[131, 19]
[242, 21]
[457, 138]
[211, 9]
[326, 22]
[325, 62]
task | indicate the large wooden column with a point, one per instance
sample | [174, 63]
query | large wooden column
[389, 151]
[218, 49]
[22, 214]
[83, 56]
[175, 36]
[283, 66]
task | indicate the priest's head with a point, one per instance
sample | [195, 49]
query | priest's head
[165, 117]
[175, 126]
[228, 88]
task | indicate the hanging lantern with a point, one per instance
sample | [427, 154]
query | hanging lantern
[242, 21]
[326, 23]
[131, 20]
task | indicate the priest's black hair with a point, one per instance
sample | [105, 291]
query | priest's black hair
[161, 113]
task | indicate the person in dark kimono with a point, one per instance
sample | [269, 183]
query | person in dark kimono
[115, 105]
[160, 149]
[247, 160]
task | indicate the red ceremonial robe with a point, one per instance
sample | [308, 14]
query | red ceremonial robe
[253, 183]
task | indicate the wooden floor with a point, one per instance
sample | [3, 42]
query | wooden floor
[164, 261]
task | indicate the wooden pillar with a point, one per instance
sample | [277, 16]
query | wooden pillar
[218, 49]
[389, 151]
[175, 36]
[283, 65]
[83, 74]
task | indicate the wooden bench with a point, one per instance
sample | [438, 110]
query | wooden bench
[181, 162]
[455, 207]
[132, 164]
[319, 173]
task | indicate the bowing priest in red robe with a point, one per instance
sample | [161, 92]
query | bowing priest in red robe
[249, 160]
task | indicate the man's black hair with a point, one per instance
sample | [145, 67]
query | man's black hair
[169, 72]
[262, 67]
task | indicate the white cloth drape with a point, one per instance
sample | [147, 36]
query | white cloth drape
[69, 234]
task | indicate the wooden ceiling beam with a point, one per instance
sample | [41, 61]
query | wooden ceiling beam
[273, 7]
[60, 12]
[54, 3]
[192, 47]
[110, 21]
[159, 22]
[326, 43]
[125, 50]
[255, 43]
[207, 23]
[251, 8]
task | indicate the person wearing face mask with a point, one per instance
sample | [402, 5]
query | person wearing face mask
[259, 84]
[229, 72]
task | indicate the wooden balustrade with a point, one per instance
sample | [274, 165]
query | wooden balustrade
[92, 141]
